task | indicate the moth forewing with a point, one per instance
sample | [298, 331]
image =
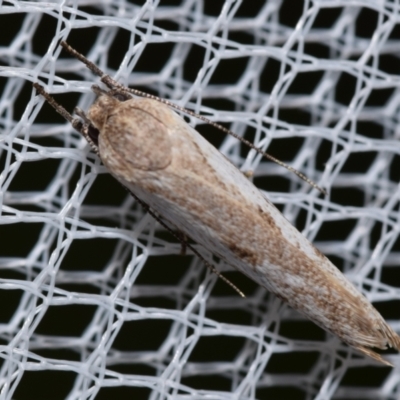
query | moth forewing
[165, 163]
[187, 181]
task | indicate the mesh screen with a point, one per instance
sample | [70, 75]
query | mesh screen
[96, 299]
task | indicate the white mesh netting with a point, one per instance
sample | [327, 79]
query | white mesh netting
[95, 299]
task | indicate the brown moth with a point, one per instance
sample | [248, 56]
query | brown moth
[187, 182]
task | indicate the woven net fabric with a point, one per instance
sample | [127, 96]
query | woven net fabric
[96, 298]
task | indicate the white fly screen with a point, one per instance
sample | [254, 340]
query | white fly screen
[96, 300]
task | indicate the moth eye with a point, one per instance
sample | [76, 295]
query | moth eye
[93, 133]
[121, 97]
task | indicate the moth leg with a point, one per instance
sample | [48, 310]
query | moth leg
[88, 131]
[80, 113]
[248, 174]
[184, 243]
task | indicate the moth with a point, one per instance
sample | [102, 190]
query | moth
[181, 178]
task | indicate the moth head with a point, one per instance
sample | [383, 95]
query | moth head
[101, 109]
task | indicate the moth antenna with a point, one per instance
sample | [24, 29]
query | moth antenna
[113, 84]
[58, 107]
[84, 129]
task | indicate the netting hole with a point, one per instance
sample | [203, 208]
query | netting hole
[379, 97]
[359, 162]
[124, 393]
[118, 48]
[34, 176]
[10, 25]
[370, 129]
[305, 82]
[395, 33]
[11, 235]
[220, 104]
[345, 88]
[193, 62]
[295, 116]
[327, 17]
[390, 310]
[390, 275]
[209, 350]
[217, 348]
[107, 203]
[239, 37]
[278, 184]
[47, 115]
[249, 135]
[323, 154]
[83, 46]
[366, 23]
[222, 311]
[150, 64]
[337, 230]
[213, 8]
[338, 262]
[168, 25]
[164, 270]
[133, 367]
[89, 10]
[286, 149]
[45, 385]
[394, 171]
[280, 391]
[229, 71]
[295, 362]
[290, 12]
[19, 96]
[142, 335]
[207, 382]
[44, 34]
[269, 75]
[357, 376]
[250, 12]
[211, 134]
[66, 320]
[375, 235]
[49, 141]
[106, 190]
[347, 196]
[298, 329]
[317, 50]
[90, 255]
[299, 218]
[10, 299]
